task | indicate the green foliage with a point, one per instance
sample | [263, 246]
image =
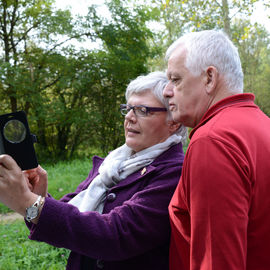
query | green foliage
[122, 58]
[24, 24]
[17, 252]
[253, 45]
[178, 17]
[72, 95]
[262, 84]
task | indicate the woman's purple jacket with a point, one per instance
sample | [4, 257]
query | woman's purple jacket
[132, 233]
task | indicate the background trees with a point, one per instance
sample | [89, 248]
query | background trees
[30, 65]
[72, 94]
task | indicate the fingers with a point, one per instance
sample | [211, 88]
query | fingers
[13, 183]
[7, 165]
[41, 171]
[2, 168]
[30, 186]
[38, 180]
[36, 173]
[31, 173]
[8, 162]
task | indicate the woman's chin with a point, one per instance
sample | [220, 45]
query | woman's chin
[134, 146]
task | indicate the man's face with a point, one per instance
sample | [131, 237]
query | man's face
[186, 93]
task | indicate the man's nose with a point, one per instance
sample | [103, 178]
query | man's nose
[168, 90]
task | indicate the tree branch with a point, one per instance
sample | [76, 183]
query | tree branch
[50, 84]
[68, 39]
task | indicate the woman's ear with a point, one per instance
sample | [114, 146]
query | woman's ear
[211, 77]
[173, 126]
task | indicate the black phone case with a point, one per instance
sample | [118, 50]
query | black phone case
[23, 152]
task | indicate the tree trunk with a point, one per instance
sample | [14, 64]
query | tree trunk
[226, 18]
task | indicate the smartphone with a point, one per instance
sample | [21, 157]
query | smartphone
[16, 139]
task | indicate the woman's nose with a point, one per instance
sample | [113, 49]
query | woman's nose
[168, 90]
[130, 116]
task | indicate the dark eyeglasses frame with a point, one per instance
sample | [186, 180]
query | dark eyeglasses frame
[147, 109]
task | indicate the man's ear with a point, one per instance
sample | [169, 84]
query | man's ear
[173, 126]
[211, 78]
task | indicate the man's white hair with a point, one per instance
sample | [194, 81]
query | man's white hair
[212, 48]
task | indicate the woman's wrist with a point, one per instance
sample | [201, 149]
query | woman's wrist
[42, 201]
[32, 211]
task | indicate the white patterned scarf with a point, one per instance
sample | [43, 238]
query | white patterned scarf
[120, 163]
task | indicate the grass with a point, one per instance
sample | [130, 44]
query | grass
[17, 252]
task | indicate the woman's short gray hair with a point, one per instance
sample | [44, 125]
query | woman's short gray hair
[212, 48]
[154, 82]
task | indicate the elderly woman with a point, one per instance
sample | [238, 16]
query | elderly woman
[117, 218]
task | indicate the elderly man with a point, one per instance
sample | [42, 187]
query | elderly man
[220, 210]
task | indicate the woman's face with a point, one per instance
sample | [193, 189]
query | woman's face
[143, 132]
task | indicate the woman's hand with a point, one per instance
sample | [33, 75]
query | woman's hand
[14, 189]
[37, 181]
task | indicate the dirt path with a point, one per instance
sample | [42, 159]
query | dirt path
[9, 217]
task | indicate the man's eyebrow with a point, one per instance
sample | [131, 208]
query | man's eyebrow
[169, 75]
[173, 75]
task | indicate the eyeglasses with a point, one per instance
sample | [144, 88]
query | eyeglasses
[140, 110]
